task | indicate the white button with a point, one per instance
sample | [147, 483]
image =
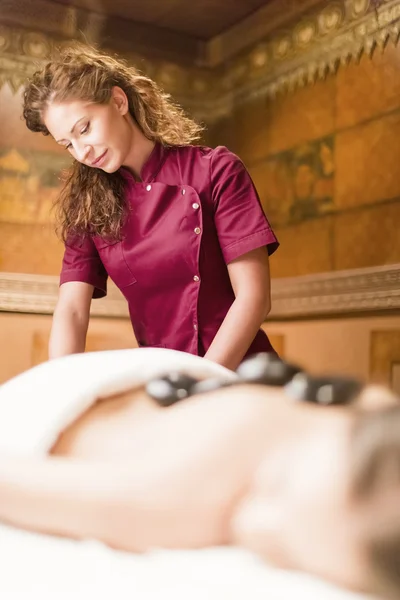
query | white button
[196, 278]
[197, 230]
[183, 192]
[148, 187]
[195, 205]
[195, 327]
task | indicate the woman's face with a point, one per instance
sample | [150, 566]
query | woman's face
[97, 135]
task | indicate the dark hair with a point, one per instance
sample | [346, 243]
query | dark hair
[92, 200]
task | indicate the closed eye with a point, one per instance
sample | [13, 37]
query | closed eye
[84, 130]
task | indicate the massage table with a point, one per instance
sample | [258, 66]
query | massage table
[34, 408]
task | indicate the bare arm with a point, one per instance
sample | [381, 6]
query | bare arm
[67, 498]
[70, 319]
[250, 280]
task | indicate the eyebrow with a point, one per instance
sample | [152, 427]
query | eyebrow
[72, 130]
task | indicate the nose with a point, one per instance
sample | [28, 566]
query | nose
[81, 152]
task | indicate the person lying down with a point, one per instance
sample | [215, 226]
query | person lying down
[246, 462]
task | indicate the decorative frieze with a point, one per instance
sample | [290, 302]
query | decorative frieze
[358, 291]
[315, 41]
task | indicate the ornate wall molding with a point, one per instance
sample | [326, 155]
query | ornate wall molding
[258, 26]
[368, 290]
[359, 291]
[315, 39]
[37, 294]
[63, 21]
[23, 51]
[309, 48]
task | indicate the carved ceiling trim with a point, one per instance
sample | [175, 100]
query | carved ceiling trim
[61, 21]
[54, 18]
[303, 51]
[359, 291]
[258, 26]
[332, 35]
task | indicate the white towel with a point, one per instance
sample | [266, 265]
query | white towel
[40, 403]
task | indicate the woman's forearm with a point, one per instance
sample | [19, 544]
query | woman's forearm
[68, 332]
[237, 331]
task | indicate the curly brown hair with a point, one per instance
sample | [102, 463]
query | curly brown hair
[92, 200]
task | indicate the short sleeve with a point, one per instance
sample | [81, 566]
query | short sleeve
[239, 217]
[82, 262]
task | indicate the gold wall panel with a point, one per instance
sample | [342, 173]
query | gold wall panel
[272, 179]
[14, 133]
[223, 131]
[305, 248]
[355, 101]
[29, 249]
[249, 133]
[367, 162]
[368, 237]
[306, 114]
[29, 184]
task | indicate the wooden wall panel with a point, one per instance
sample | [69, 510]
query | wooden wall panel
[96, 341]
[24, 339]
[385, 353]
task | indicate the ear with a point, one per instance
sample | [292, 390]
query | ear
[119, 100]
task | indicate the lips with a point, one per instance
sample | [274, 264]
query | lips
[99, 160]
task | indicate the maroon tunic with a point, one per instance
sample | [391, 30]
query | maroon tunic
[195, 211]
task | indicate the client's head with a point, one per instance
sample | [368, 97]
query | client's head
[375, 489]
[329, 503]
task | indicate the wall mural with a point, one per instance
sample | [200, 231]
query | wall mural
[29, 184]
[299, 183]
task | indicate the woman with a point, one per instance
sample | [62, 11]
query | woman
[179, 228]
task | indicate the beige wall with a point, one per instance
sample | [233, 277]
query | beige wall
[396, 378]
[362, 347]
[352, 346]
[24, 338]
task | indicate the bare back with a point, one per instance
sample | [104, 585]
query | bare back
[194, 461]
